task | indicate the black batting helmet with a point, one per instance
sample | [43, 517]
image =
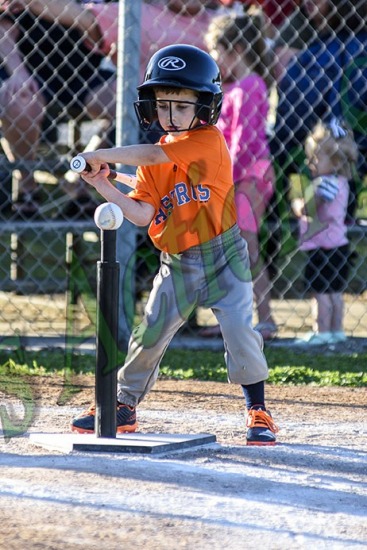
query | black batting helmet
[181, 66]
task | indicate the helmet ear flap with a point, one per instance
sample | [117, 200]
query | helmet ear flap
[208, 107]
[146, 108]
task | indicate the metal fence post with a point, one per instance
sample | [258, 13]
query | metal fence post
[127, 133]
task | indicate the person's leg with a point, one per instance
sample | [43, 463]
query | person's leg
[245, 361]
[244, 357]
[247, 365]
[339, 269]
[323, 313]
[166, 311]
[254, 395]
[263, 296]
[337, 303]
[261, 286]
[316, 281]
[163, 317]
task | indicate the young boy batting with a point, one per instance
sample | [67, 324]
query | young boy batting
[185, 193]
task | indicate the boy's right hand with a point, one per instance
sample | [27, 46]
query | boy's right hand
[97, 178]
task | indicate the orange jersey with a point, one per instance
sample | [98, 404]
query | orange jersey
[193, 195]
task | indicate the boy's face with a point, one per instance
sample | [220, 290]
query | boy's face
[176, 110]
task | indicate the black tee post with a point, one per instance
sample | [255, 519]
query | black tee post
[107, 336]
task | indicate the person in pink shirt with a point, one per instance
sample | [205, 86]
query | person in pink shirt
[237, 45]
[331, 152]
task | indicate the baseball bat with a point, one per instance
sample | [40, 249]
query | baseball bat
[78, 164]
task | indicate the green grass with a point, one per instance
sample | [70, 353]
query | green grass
[287, 367]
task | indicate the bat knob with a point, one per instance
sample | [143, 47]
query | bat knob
[78, 164]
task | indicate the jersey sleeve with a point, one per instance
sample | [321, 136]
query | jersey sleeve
[146, 189]
[197, 154]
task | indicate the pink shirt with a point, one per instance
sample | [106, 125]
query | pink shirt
[243, 123]
[329, 229]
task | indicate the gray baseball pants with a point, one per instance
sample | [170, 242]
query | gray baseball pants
[214, 275]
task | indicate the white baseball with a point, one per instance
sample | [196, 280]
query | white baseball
[108, 216]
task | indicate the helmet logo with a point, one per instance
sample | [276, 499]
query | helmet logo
[171, 63]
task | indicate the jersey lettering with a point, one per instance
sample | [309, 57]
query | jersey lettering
[182, 194]
[203, 192]
[179, 196]
[167, 203]
[160, 217]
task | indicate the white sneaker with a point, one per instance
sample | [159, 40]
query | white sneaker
[317, 339]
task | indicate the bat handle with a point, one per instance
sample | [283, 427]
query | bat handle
[78, 164]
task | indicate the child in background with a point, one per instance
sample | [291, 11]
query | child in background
[236, 43]
[331, 152]
[185, 193]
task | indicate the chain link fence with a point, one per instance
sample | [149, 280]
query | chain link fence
[64, 68]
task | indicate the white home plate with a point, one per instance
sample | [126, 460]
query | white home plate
[123, 443]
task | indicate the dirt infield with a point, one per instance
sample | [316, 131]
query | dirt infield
[309, 491]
